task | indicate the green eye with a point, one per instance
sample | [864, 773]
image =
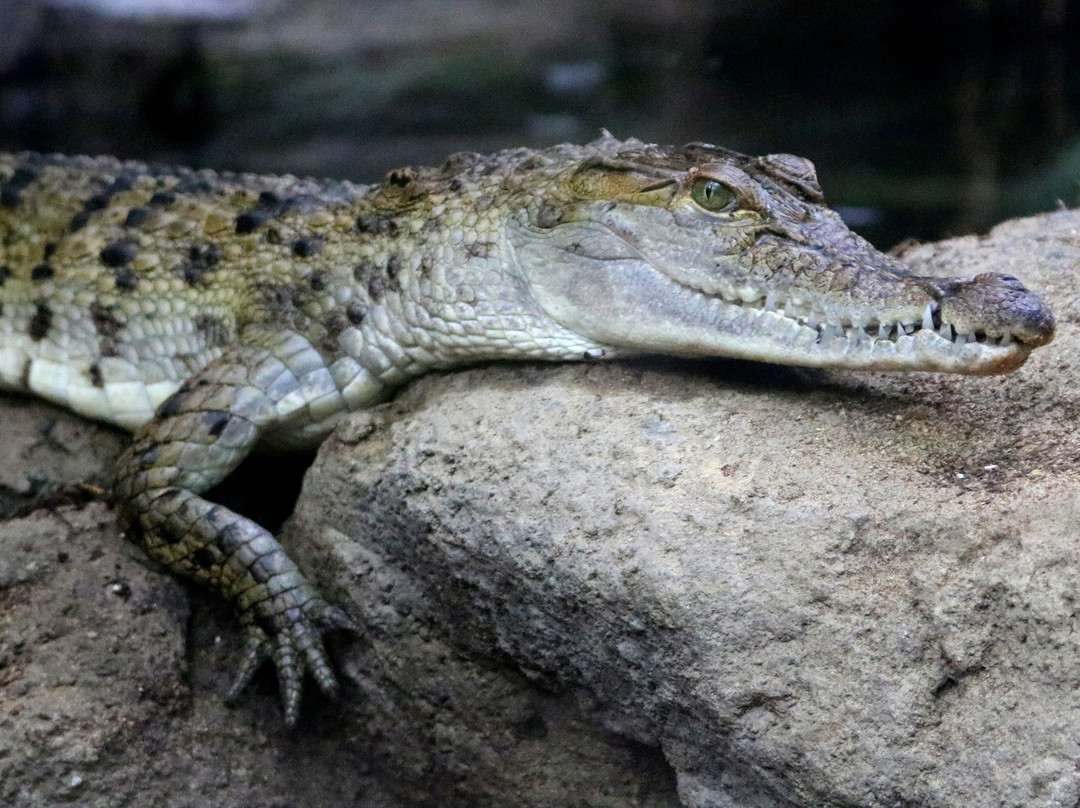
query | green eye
[712, 195]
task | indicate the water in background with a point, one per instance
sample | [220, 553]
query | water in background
[925, 120]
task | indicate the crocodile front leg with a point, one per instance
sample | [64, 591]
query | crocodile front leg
[195, 440]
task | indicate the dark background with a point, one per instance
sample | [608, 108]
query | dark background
[925, 120]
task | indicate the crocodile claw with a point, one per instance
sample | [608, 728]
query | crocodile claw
[292, 640]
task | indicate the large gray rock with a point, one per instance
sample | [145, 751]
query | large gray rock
[638, 584]
[802, 588]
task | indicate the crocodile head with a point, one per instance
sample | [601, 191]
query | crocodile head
[703, 251]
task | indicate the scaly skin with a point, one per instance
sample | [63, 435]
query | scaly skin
[252, 310]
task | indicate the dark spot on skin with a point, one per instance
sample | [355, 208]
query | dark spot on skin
[217, 517]
[201, 259]
[319, 280]
[208, 254]
[78, 221]
[401, 177]
[267, 207]
[367, 223]
[125, 279]
[215, 422]
[167, 537]
[356, 312]
[273, 236]
[375, 224]
[484, 203]
[24, 175]
[479, 249]
[279, 299]
[107, 347]
[193, 273]
[96, 377]
[148, 457]
[137, 217]
[362, 271]
[376, 286]
[231, 537]
[42, 272]
[124, 182]
[98, 201]
[105, 322]
[393, 267]
[250, 220]
[335, 324]
[41, 322]
[427, 263]
[306, 247]
[5, 273]
[214, 331]
[118, 253]
[11, 191]
[171, 406]
[162, 199]
[456, 184]
[431, 225]
[204, 558]
[50, 248]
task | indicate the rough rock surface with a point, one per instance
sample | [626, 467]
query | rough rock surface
[637, 584]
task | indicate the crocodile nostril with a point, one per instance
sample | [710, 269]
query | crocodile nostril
[1008, 281]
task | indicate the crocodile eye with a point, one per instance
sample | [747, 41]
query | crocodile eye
[712, 195]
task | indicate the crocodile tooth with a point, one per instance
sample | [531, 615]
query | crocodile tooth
[928, 318]
[1006, 339]
[770, 302]
[883, 330]
[857, 334]
[946, 331]
[832, 331]
[748, 294]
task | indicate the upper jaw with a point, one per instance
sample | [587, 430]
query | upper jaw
[895, 321]
[993, 305]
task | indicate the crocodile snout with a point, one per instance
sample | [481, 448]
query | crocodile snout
[993, 304]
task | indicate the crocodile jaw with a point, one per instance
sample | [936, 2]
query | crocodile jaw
[629, 306]
[900, 344]
[611, 287]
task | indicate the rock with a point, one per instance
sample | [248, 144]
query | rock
[648, 583]
[798, 587]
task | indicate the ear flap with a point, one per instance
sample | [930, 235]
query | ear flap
[601, 179]
[797, 173]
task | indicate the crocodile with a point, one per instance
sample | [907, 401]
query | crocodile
[213, 313]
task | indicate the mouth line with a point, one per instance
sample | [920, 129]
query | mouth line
[870, 329]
